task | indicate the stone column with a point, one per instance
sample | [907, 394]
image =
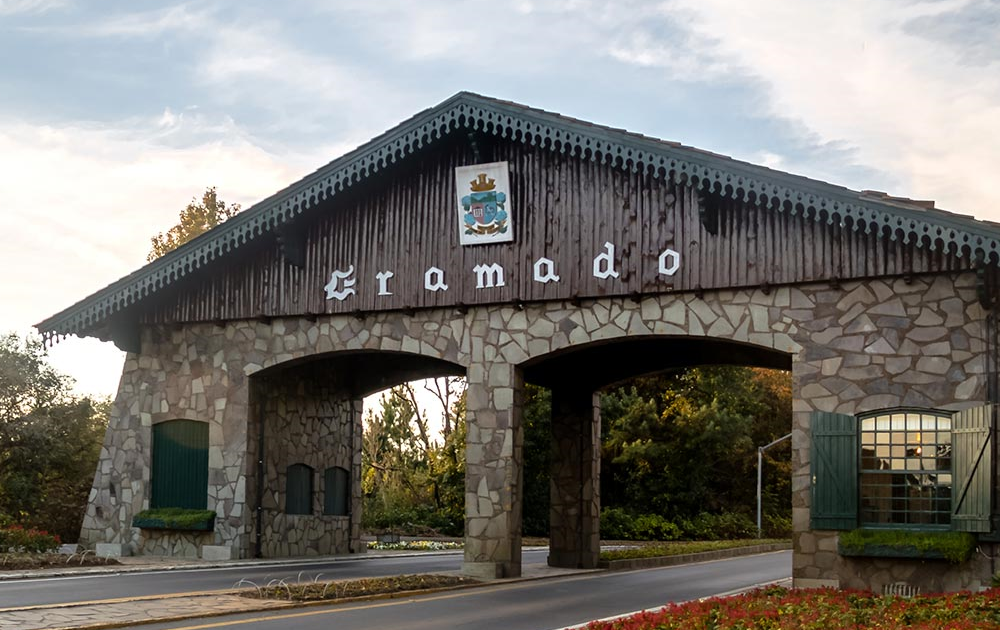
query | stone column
[574, 516]
[493, 475]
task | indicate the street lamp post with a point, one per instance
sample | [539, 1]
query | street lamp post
[760, 458]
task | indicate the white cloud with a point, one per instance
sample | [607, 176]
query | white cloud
[849, 72]
[81, 202]
[180, 17]
[14, 7]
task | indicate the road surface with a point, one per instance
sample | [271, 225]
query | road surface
[530, 605]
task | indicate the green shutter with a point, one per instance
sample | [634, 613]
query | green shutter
[180, 465]
[834, 468]
[335, 484]
[970, 456]
[298, 489]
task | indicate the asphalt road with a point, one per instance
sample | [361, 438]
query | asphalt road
[532, 605]
[38, 591]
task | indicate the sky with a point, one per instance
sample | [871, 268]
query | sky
[115, 114]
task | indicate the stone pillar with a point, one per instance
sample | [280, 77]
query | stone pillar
[493, 475]
[575, 512]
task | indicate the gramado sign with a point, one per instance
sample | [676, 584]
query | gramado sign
[343, 284]
[486, 215]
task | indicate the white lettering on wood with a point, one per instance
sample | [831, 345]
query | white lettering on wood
[604, 263]
[488, 276]
[333, 290]
[434, 280]
[670, 262]
[383, 282]
[545, 271]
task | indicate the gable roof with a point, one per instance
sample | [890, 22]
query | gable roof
[871, 211]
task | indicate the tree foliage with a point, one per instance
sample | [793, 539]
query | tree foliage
[194, 220]
[685, 442]
[678, 456]
[412, 479]
[50, 441]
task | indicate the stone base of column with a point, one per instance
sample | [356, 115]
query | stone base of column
[112, 550]
[491, 570]
[573, 559]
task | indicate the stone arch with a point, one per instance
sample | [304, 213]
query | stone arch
[307, 411]
[575, 374]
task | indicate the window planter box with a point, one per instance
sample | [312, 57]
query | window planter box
[954, 547]
[176, 520]
[889, 551]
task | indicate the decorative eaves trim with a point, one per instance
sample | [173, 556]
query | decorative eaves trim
[706, 171]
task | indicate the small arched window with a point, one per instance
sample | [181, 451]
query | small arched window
[336, 484]
[298, 489]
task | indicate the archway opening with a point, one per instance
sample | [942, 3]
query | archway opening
[304, 442]
[664, 431]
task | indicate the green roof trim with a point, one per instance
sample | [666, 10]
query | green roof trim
[911, 221]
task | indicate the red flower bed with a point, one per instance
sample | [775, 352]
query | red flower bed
[17, 539]
[778, 608]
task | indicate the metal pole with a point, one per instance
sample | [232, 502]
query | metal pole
[760, 458]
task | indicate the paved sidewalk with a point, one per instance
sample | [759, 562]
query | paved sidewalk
[115, 613]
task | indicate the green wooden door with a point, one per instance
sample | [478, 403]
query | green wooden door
[971, 463]
[834, 468]
[180, 465]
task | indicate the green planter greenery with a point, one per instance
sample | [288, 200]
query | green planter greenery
[175, 519]
[954, 547]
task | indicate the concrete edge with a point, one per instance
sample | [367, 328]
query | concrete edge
[688, 558]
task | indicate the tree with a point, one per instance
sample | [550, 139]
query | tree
[194, 220]
[50, 441]
[684, 442]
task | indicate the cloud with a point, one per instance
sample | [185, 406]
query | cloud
[854, 72]
[146, 23]
[15, 7]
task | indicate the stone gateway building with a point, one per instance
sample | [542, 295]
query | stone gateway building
[508, 245]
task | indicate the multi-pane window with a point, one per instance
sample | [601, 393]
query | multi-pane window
[906, 475]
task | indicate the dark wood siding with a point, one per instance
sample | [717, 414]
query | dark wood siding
[565, 209]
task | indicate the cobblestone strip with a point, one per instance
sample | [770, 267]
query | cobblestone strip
[138, 611]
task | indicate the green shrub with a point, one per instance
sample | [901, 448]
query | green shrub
[17, 539]
[616, 524]
[776, 526]
[654, 527]
[728, 526]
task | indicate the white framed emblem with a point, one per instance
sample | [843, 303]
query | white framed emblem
[484, 205]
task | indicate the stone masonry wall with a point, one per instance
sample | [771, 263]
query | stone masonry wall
[309, 420]
[859, 347]
[870, 346]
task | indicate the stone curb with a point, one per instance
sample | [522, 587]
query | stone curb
[688, 558]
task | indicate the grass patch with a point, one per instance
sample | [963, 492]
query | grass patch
[953, 546]
[341, 589]
[776, 608]
[677, 548]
